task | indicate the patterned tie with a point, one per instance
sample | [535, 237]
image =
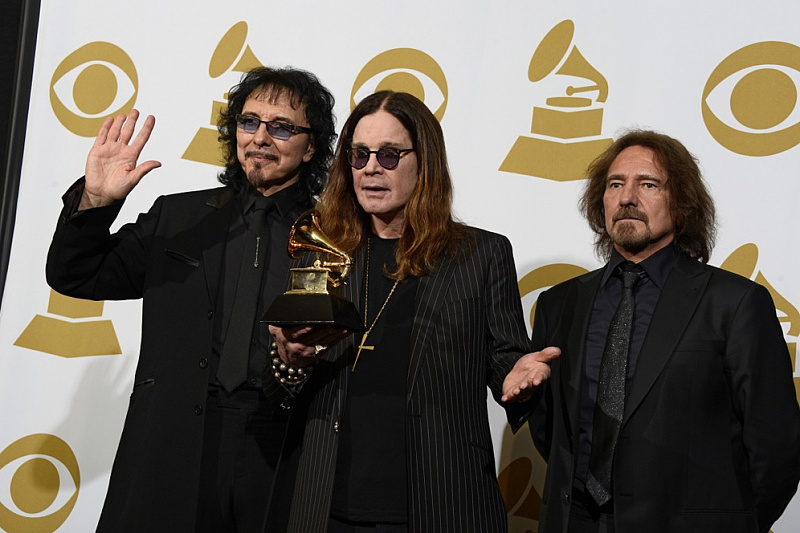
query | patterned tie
[235, 355]
[611, 388]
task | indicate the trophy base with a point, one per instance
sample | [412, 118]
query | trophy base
[321, 309]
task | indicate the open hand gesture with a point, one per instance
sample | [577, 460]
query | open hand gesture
[528, 373]
[111, 168]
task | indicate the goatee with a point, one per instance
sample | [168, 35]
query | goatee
[624, 233]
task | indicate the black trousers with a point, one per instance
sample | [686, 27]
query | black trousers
[586, 517]
[241, 445]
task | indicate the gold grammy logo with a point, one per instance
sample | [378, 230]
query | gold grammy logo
[520, 493]
[96, 80]
[567, 127]
[757, 91]
[409, 70]
[73, 331]
[231, 54]
[39, 484]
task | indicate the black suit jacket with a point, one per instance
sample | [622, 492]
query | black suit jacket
[171, 258]
[468, 332]
[710, 440]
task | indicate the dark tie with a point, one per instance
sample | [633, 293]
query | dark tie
[235, 355]
[611, 388]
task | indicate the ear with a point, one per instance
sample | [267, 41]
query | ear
[309, 151]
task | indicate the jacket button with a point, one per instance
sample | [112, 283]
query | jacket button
[203, 362]
[198, 409]
[565, 497]
[210, 314]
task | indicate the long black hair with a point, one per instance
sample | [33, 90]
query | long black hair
[303, 89]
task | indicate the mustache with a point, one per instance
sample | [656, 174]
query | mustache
[630, 212]
[258, 153]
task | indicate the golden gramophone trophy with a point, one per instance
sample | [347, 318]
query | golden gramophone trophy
[308, 301]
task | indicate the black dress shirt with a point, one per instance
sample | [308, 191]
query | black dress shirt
[646, 294]
[289, 202]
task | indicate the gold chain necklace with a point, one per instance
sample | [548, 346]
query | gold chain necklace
[363, 345]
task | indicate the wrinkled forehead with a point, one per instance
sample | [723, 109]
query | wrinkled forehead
[636, 160]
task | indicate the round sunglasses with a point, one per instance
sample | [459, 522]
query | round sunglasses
[387, 156]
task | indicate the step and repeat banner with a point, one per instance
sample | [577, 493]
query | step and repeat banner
[527, 93]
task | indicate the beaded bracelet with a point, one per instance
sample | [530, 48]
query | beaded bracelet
[285, 373]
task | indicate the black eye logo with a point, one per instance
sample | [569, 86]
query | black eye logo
[749, 102]
[39, 484]
[405, 70]
[96, 80]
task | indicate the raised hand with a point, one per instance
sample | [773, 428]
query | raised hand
[529, 372]
[111, 167]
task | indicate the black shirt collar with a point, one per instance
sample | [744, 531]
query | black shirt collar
[285, 199]
[657, 266]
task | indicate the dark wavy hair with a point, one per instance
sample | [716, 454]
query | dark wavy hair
[302, 89]
[430, 228]
[691, 206]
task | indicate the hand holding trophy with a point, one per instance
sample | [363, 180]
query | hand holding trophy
[308, 302]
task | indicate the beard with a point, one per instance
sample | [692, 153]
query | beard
[261, 174]
[626, 235]
[257, 177]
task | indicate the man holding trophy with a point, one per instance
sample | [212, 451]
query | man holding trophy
[389, 429]
[205, 423]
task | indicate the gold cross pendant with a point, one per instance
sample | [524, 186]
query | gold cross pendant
[362, 346]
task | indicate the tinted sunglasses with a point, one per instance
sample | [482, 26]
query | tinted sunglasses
[387, 156]
[278, 130]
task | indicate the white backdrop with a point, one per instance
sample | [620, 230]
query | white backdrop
[66, 368]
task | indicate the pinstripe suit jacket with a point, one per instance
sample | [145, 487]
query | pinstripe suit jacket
[468, 332]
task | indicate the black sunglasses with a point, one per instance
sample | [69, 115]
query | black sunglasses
[387, 156]
[278, 130]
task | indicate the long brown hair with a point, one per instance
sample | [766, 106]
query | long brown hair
[691, 206]
[430, 228]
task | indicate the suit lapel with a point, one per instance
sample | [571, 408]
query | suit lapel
[213, 236]
[352, 288]
[431, 293]
[679, 298]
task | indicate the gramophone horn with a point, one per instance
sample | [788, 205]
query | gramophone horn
[307, 235]
[556, 53]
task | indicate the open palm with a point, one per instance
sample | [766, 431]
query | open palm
[111, 167]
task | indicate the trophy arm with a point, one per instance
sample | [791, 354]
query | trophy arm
[342, 274]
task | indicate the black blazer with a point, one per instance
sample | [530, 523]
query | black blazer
[171, 258]
[710, 440]
[468, 332]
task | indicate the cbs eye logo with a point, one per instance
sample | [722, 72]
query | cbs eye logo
[749, 102]
[39, 484]
[96, 80]
[391, 70]
[542, 278]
